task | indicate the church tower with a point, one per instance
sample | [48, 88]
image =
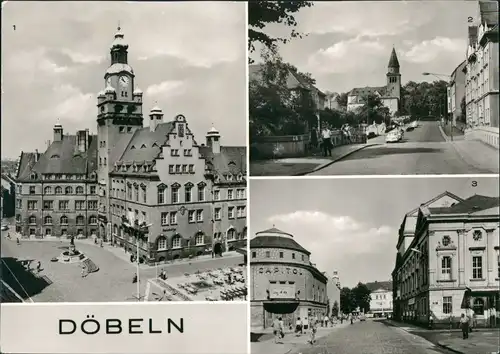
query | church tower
[393, 77]
[119, 116]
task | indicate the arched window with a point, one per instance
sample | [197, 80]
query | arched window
[188, 193]
[161, 194]
[80, 220]
[79, 190]
[58, 190]
[68, 190]
[93, 220]
[47, 190]
[177, 241]
[115, 230]
[162, 243]
[199, 239]
[175, 194]
[64, 219]
[32, 219]
[47, 219]
[478, 306]
[231, 234]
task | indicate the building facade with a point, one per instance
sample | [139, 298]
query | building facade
[451, 265]
[482, 76]
[186, 198]
[333, 294]
[381, 303]
[8, 196]
[284, 282]
[390, 94]
[456, 93]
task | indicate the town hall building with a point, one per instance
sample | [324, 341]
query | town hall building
[181, 198]
[390, 94]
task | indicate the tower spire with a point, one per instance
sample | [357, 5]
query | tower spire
[393, 61]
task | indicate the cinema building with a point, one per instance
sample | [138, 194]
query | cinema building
[448, 262]
[284, 282]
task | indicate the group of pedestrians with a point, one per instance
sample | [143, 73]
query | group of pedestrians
[323, 138]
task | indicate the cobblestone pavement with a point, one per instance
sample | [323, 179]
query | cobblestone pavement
[370, 337]
[422, 151]
[113, 281]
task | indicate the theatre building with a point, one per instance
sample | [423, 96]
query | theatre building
[284, 282]
[451, 263]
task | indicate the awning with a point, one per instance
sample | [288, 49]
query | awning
[242, 251]
[469, 293]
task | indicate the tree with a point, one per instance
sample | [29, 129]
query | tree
[347, 304]
[274, 109]
[342, 100]
[373, 110]
[424, 99]
[362, 297]
[262, 13]
[335, 309]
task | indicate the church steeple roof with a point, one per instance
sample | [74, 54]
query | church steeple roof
[119, 41]
[393, 61]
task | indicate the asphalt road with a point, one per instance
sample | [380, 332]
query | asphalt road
[371, 337]
[422, 151]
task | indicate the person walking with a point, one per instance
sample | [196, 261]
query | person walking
[277, 329]
[326, 136]
[464, 324]
[326, 319]
[298, 326]
[314, 328]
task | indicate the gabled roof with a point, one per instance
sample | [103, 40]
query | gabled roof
[231, 159]
[377, 285]
[365, 91]
[26, 163]
[470, 205]
[144, 136]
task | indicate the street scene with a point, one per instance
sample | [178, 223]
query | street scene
[333, 91]
[323, 278]
[107, 196]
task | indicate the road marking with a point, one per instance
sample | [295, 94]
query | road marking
[146, 293]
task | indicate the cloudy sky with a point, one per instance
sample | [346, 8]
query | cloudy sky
[350, 225]
[188, 58]
[349, 43]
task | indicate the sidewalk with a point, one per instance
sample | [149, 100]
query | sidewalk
[477, 343]
[119, 252]
[480, 341]
[291, 342]
[475, 153]
[304, 165]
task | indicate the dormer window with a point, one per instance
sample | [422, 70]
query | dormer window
[229, 177]
[155, 144]
[132, 147]
[143, 146]
[55, 156]
[121, 129]
[33, 175]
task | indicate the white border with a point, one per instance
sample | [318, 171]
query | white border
[489, 175]
[247, 145]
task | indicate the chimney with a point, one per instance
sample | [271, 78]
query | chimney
[81, 140]
[58, 132]
[155, 118]
[213, 140]
[36, 155]
[48, 143]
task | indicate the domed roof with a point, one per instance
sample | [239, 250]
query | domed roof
[213, 131]
[117, 68]
[156, 110]
[119, 40]
[109, 89]
[275, 238]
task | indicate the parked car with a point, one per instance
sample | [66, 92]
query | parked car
[362, 318]
[393, 136]
[5, 227]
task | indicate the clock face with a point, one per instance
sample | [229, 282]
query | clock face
[124, 81]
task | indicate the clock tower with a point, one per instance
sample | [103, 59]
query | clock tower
[119, 116]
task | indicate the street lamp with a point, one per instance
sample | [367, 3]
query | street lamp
[448, 78]
[137, 229]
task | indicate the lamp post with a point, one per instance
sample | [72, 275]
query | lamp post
[137, 229]
[448, 78]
